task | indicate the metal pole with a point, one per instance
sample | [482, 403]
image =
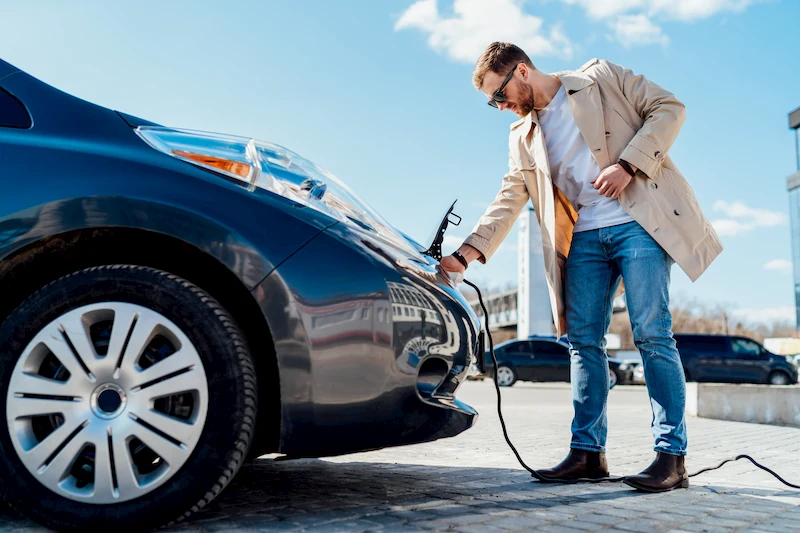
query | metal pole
[797, 146]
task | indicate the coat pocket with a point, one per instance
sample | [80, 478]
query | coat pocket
[680, 206]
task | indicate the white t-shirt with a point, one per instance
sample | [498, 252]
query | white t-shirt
[572, 167]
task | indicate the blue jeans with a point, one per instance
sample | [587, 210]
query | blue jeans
[596, 261]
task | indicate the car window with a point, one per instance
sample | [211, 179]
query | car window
[702, 343]
[12, 113]
[746, 347]
[520, 347]
[549, 350]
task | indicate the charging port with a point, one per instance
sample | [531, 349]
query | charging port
[432, 372]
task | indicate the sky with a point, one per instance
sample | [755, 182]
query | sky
[380, 94]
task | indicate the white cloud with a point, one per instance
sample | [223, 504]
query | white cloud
[765, 314]
[606, 8]
[633, 30]
[683, 10]
[632, 20]
[689, 10]
[477, 23]
[742, 219]
[781, 265]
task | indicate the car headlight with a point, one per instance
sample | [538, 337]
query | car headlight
[276, 169]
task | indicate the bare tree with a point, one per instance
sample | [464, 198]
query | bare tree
[696, 317]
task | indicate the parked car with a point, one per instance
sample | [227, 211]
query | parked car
[542, 359]
[638, 375]
[733, 359]
[629, 365]
[177, 301]
[620, 372]
[562, 339]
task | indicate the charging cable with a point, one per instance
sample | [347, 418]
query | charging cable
[583, 480]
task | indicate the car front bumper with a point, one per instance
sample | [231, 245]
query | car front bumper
[371, 347]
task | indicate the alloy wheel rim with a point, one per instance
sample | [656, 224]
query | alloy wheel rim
[779, 379]
[504, 375]
[107, 403]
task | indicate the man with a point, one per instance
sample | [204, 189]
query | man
[591, 154]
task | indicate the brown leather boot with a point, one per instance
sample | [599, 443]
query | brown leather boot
[665, 473]
[579, 464]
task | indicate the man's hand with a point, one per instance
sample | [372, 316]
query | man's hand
[612, 181]
[451, 264]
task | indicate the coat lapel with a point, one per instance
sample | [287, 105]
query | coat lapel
[533, 155]
[587, 110]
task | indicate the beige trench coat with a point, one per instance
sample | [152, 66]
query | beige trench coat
[621, 116]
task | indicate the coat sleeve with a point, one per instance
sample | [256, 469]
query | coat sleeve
[493, 227]
[663, 115]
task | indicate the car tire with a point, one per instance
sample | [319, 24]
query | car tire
[779, 378]
[613, 379]
[506, 377]
[203, 336]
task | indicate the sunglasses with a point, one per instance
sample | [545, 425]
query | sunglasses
[499, 96]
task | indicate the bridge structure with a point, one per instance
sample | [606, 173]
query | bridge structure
[503, 314]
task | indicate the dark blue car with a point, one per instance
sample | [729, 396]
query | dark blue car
[733, 359]
[175, 302]
[543, 358]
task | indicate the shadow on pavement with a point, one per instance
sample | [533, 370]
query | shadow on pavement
[314, 494]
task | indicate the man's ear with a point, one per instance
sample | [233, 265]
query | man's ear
[524, 71]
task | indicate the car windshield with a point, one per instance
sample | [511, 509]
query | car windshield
[504, 344]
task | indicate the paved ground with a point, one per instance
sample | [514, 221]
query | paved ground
[472, 482]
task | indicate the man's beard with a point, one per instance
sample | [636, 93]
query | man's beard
[525, 105]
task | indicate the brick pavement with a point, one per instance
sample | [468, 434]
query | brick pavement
[471, 483]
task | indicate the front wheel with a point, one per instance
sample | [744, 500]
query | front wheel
[506, 376]
[130, 400]
[612, 378]
[779, 378]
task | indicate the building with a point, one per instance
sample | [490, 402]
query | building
[793, 184]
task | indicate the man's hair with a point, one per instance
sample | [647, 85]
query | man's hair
[500, 58]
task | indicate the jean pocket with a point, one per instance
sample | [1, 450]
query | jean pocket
[639, 243]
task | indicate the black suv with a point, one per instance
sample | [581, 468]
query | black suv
[732, 359]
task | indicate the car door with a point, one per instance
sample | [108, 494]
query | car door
[520, 356]
[746, 362]
[488, 364]
[713, 358]
[703, 356]
[551, 361]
